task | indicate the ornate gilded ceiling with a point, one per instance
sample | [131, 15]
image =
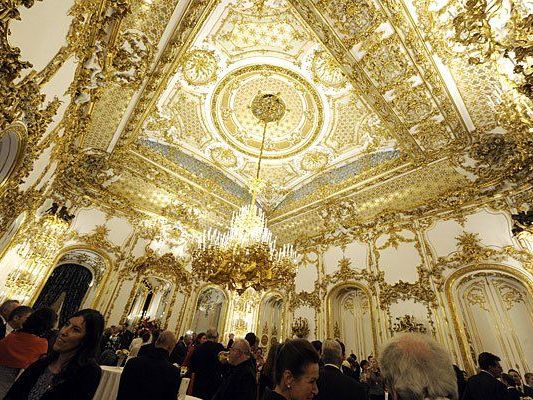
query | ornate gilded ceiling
[384, 109]
[246, 48]
[375, 120]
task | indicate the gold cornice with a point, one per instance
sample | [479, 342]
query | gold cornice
[185, 176]
[383, 172]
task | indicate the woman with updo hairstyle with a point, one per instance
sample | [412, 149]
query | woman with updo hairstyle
[295, 372]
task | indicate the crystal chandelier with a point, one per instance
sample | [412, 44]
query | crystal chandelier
[247, 255]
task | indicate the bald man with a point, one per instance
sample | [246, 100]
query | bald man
[151, 376]
[239, 383]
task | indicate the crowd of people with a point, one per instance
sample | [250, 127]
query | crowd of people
[39, 362]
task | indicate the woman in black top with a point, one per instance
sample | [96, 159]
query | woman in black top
[266, 377]
[70, 371]
[295, 372]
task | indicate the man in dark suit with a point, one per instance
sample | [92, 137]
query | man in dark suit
[5, 309]
[485, 385]
[206, 368]
[345, 369]
[240, 382]
[332, 383]
[180, 351]
[528, 386]
[151, 376]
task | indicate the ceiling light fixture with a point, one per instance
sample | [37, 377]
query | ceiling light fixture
[247, 255]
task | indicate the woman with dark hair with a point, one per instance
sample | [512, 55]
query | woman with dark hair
[295, 372]
[21, 348]
[266, 377]
[200, 339]
[70, 371]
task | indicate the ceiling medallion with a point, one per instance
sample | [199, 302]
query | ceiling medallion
[298, 126]
[200, 67]
[246, 255]
[326, 70]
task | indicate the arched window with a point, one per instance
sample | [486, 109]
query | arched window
[270, 323]
[496, 311]
[209, 310]
[65, 290]
[350, 319]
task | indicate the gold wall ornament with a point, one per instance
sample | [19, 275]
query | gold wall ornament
[167, 266]
[482, 31]
[311, 299]
[419, 291]
[132, 57]
[314, 161]
[407, 323]
[496, 158]
[200, 67]
[13, 138]
[300, 328]
[471, 251]
[224, 157]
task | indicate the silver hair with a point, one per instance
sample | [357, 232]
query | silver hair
[243, 345]
[211, 334]
[416, 368]
[331, 352]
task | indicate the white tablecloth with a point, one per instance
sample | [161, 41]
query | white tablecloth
[108, 387]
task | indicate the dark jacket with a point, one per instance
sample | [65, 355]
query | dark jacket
[334, 385]
[271, 395]
[484, 386]
[513, 393]
[239, 383]
[149, 377]
[207, 369]
[81, 385]
[145, 349]
[2, 329]
[528, 391]
[351, 373]
[178, 353]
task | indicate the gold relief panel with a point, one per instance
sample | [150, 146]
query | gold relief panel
[385, 62]
[299, 126]
[432, 134]
[223, 156]
[272, 28]
[354, 19]
[477, 296]
[315, 160]
[412, 103]
[509, 293]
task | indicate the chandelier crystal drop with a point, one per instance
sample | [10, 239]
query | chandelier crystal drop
[247, 255]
